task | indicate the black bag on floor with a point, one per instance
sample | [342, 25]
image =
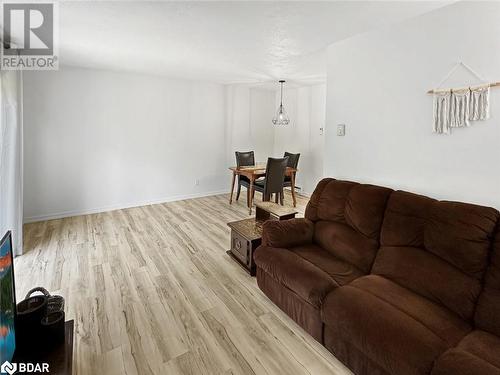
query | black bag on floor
[40, 320]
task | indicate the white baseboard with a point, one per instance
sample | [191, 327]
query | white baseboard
[60, 215]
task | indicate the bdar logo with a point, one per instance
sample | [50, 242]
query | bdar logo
[9, 368]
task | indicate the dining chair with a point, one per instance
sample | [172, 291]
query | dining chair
[293, 162]
[273, 182]
[244, 159]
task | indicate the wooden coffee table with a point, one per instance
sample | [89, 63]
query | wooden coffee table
[246, 235]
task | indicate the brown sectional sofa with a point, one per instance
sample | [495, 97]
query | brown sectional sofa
[389, 281]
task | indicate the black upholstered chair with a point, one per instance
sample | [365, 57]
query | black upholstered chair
[244, 159]
[293, 162]
[275, 177]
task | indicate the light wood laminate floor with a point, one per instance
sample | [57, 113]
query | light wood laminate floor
[152, 291]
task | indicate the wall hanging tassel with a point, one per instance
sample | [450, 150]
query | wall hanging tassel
[459, 108]
[479, 103]
[455, 108]
[442, 112]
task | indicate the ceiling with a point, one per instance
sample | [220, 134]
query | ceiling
[225, 42]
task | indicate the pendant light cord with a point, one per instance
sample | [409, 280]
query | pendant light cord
[281, 100]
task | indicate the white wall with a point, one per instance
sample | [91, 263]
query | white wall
[248, 122]
[377, 85]
[249, 112]
[306, 109]
[98, 140]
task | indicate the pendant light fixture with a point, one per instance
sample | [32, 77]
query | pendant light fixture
[281, 117]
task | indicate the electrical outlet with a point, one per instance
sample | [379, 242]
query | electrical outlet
[341, 130]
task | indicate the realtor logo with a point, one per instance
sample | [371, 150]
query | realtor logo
[11, 368]
[8, 368]
[29, 36]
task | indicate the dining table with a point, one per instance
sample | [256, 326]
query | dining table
[253, 172]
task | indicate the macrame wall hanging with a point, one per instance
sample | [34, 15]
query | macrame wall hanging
[457, 107]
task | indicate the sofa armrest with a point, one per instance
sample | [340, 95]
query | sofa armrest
[287, 233]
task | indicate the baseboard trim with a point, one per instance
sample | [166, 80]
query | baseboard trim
[61, 215]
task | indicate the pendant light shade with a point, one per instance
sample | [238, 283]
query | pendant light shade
[281, 118]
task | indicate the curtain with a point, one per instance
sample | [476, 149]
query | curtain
[11, 157]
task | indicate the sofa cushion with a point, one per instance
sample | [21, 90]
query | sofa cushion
[348, 216]
[342, 272]
[430, 276]
[311, 212]
[437, 249]
[332, 202]
[487, 315]
[396, 328]
[308, 270]
[287, 233]
[302, 312]
[361, 206]
[405, 219]
[461, 234]
[347, 353]
[478, 353]
[344, 242]
[458, 362]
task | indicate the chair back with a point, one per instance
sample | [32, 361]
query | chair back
[293, 159]
[244, 159]
[275, 176]
[293, 162]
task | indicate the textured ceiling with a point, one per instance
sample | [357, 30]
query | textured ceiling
[223, 42]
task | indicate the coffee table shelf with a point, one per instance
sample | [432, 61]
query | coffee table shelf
[246, 235]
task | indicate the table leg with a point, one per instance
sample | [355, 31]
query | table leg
[250, 200]
[293, 190]
[232, 188]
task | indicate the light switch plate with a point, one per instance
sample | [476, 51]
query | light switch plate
[341, 130]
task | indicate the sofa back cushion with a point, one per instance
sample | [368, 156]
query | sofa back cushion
[488, 308]
[347, 217]
[437, 249]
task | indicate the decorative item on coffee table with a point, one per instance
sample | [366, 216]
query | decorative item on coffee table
[273, 211]
[246, 235]
[43, 336]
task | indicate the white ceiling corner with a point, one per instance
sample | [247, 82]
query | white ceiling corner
[225, 42]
